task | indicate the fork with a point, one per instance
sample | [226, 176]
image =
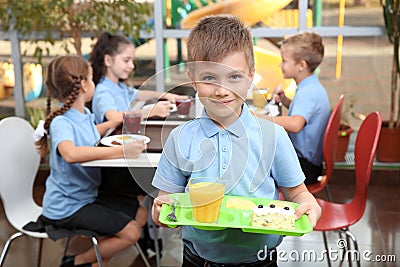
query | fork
[108, 132]
[172, 216]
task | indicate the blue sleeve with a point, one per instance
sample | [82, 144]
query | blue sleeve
[305, 103]
[61, 130]
[169, 176]
[103, 101]
[286, 168]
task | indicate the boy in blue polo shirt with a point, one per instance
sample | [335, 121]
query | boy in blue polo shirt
[309, 110]
[254, 156]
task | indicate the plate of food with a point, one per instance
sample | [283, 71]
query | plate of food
[150, 106]
[251, 215]
[120, 139]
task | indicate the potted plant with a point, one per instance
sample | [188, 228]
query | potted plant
[43, 23]
[345, 130]
[389, 141]
[68, 20]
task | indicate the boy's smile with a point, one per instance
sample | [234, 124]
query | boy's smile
[222, 86]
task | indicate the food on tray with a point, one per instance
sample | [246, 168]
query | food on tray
[239, 203]
[277, 214]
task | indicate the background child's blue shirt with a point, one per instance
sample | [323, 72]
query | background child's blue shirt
[253, 155]
[70, 186]
[109, 96]
[312, 103]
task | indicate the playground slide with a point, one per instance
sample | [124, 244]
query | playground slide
[267, 67]
[251, 12]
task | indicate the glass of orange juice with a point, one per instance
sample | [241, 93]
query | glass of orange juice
[206, 196]
[260, 98]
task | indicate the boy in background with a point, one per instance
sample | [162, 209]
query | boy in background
[309, 110]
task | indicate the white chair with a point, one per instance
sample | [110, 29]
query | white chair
[19, 163]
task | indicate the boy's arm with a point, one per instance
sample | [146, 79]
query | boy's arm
[292, 124]
[157, 203]
[308, 204]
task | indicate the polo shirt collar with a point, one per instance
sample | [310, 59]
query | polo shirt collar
[237, 128]
[108, 83]
[78, 117]
[310, 79]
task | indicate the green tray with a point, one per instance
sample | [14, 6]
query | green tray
[228, 218]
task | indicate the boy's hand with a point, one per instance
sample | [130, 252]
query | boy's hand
[157, 203]
[312, 209]
[279, 95]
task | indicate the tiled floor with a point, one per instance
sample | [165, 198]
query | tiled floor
[378, 232]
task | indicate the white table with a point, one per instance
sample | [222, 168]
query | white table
[152, 129]
[145, 160]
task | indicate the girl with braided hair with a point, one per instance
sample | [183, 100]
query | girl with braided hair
[71, 198]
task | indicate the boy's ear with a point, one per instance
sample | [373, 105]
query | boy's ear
[192, 80]
[251, 74]
[303, 65]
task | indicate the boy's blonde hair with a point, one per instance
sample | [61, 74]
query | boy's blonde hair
[216, 36]
[307, 46]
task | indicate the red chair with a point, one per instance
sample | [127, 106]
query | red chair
[338, 217]
[329, 149]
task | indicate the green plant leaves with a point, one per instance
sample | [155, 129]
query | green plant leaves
[61, 20]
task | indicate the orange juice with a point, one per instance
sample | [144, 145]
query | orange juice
[206, 199]
[260, 98]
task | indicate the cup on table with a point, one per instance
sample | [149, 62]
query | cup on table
[260, 97]
[132, 122]
[206, 196]
[183, 106]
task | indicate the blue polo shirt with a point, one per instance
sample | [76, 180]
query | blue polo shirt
[252, 155]
[312, 103]
[110, 96]
[70, 186]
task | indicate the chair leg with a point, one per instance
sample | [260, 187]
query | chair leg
[328, 193]
[139, 249]
[7, 245]
[156, 246]
[355, 244]
[66, 246]
[39, 260]
[326, 248]
[97, 251]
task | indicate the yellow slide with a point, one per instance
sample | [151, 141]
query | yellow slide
[251, 12]
[267, 67]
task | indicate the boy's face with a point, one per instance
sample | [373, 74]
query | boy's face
[290, 68]
[222, 86]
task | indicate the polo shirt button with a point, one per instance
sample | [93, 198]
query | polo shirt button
[224, 149]
[223, 166]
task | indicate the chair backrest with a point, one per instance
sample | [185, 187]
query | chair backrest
[331, 137]
[19, 163]
[364, 153]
